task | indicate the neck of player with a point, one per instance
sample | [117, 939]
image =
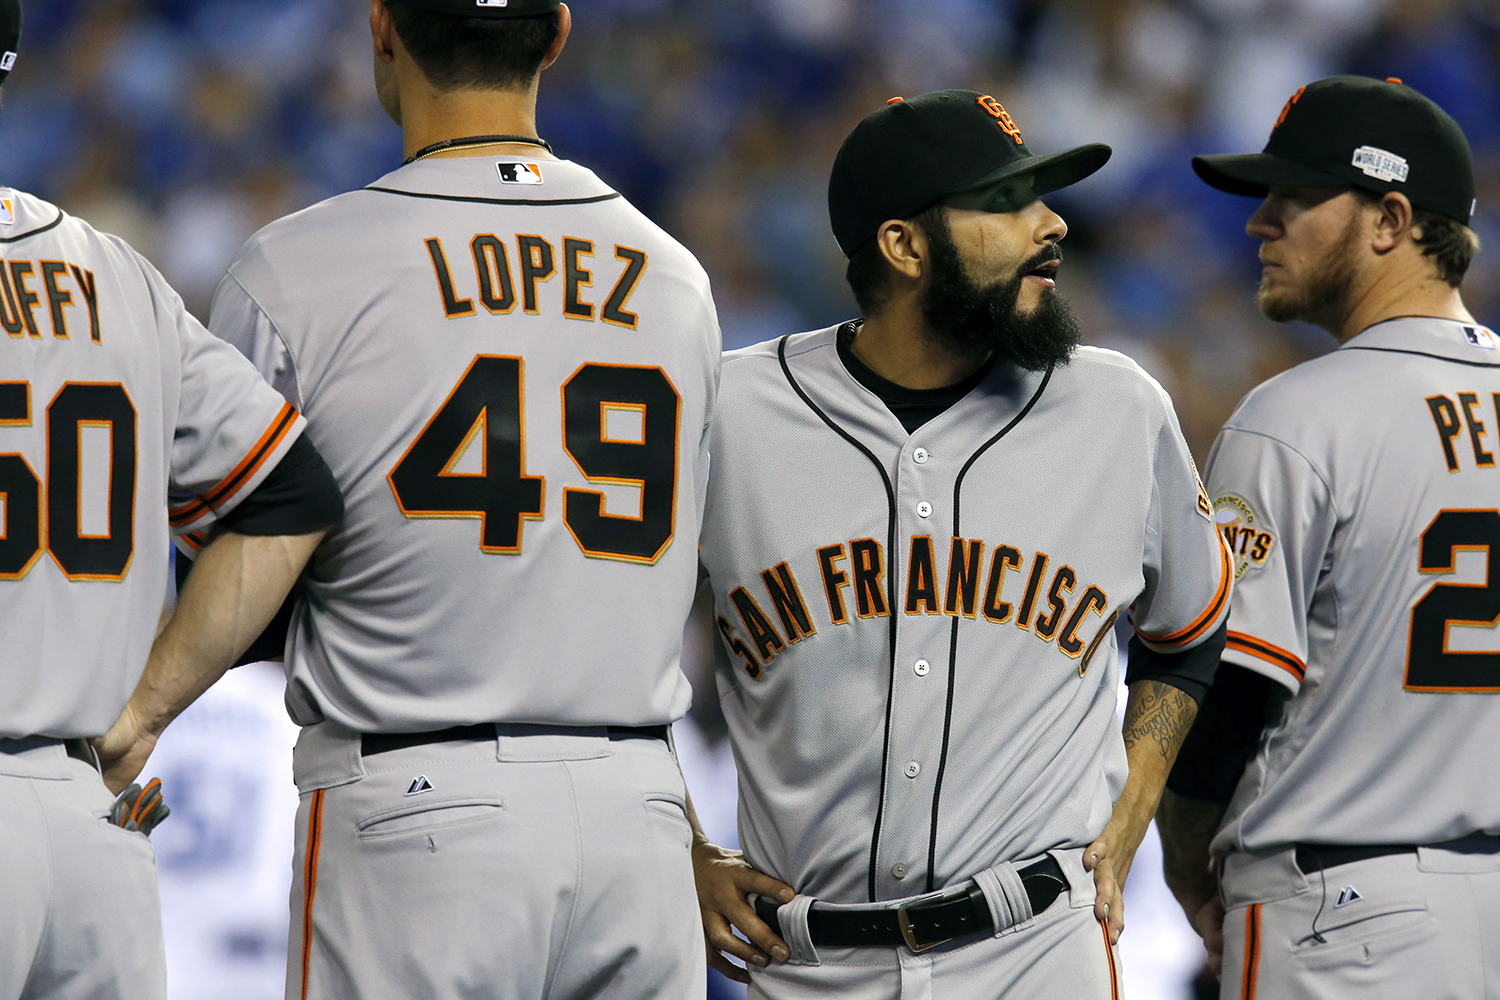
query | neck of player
[897, 344]
[429, 116]
[1389, 293]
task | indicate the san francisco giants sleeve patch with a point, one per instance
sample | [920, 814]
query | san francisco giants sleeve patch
[1204, 507]
[1249, 543]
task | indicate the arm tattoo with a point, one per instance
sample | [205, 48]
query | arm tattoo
[1161, 713]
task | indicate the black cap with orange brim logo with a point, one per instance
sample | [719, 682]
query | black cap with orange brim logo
[905, 156]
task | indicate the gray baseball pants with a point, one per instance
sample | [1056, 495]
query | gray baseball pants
[1421, 925]
[81, 918]
[1061, 952]
[531, 866]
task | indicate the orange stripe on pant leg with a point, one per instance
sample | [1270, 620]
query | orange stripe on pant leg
[1114, 977]
[310, 881]
[1252, 951]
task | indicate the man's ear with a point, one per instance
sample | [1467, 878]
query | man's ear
[382, 31]
[564, 28]
[905, 248]
[1394, 223]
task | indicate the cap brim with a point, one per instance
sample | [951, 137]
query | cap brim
[1253, 174]
[1052, 171]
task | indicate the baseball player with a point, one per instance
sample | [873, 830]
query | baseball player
[511, 371]
[1340, 775]
[921, 529]
[121, 420]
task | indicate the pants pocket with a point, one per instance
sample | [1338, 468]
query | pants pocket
[422, 817]
[1383, 937]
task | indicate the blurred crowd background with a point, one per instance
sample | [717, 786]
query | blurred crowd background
[185, 125]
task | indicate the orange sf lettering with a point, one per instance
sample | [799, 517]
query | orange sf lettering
[1002, 117]
[1287, 107]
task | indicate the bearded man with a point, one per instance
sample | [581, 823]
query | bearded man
[920, 530]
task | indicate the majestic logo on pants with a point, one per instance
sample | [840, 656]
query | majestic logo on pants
[1347, 895]
[418, 785]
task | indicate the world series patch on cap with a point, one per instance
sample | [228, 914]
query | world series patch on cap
[10, 35]
[1356, 131]
[487, 8]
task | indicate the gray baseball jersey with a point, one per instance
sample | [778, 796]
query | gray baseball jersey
[509, 370]
[1360, 497]
[118, 414]
[919, 670]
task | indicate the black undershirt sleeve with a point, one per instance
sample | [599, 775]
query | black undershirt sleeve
[1226, 733]
[1191, 672]
[297, 497]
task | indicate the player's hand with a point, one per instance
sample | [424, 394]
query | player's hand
[123, 750]
[724, 881]
[1209, 923]
[1204, 910]
[1109, 905]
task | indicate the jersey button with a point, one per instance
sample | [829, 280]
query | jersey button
[920, 668]
[913, 769]
[899, 870]
[919, 456]
[924, 509]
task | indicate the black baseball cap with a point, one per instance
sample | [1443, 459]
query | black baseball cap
[492, 9]
[1357, 131]
[10, 35]
[907, 155]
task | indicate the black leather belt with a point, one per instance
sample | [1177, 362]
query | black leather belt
[923, 923]
[372, 743]
[81, 749]
[1316, 857]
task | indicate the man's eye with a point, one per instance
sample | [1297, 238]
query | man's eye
[1010, 201]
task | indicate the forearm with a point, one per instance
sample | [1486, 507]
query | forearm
[1187, 827]
[1157, 719]
[236, 587]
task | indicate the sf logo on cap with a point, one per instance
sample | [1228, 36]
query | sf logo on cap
[997, 109]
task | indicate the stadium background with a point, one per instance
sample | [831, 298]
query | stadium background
[185, 125]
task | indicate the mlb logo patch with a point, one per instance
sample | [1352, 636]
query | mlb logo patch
[7, 62]
[7, 212]
[1478, 336]
[519, 173]
[492, 3]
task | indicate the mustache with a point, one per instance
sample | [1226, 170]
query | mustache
[1052, 253]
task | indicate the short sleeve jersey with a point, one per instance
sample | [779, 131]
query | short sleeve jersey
[1360, 498]
[121, 420]
[509, 370]
[919, 668]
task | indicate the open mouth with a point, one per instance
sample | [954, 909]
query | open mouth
[1046, 273]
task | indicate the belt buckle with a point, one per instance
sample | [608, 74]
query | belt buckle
[903, 920]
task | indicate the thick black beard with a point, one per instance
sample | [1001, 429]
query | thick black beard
[970, 315]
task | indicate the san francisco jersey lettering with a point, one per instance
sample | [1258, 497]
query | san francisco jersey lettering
[1361, 497]
[915, 634]
[523, 493]
[119, 414]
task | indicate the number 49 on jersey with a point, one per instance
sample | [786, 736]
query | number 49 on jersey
[488, 404]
